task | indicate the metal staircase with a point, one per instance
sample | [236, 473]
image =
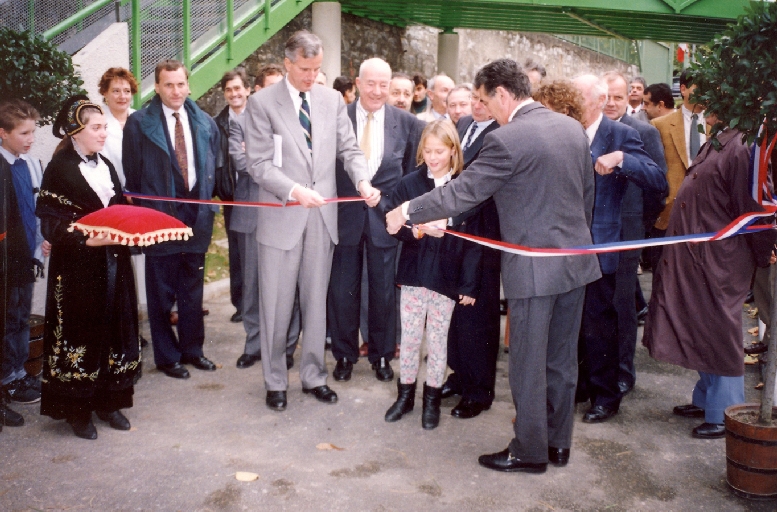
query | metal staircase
[209, 36]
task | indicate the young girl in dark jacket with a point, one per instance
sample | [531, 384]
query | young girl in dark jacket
[433, 274]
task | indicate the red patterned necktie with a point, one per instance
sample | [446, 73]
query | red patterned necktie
[180, 149]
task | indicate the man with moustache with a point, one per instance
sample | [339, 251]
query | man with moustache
[389, 139]
[401, 91]
[459, 103]
[658, 101]
[526, 170]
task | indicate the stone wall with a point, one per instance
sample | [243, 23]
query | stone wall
[414, 49]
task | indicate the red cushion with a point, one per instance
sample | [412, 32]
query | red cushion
[133, 225]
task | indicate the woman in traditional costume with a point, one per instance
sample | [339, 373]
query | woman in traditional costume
[92, 353]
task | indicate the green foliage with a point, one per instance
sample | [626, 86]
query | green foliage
[737, 74]
[37, 72]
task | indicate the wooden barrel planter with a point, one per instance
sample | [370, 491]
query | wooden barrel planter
[34, 364]
[751, 453]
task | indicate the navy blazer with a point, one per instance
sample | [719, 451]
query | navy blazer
[637, 167]
[474, 149]
[401, 135]
[150, 169]
[447, 265]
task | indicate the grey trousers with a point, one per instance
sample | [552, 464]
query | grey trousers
[543, 371]
[307, 266]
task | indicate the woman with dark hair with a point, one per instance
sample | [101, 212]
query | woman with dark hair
[117, 85]
[346, 87]
[91, 348]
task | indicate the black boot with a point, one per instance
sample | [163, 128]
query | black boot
[405, 402]
[431, 414]
[81, 423]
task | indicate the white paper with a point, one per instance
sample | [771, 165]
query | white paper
[277, 159]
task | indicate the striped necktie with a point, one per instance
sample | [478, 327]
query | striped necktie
[304, 120]
[180, 149]
[471, 135]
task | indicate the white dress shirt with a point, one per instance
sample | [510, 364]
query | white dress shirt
[633, 111]
[591, 130]
[112, 149]
[187, 136]
[687, 130]
[376, 135]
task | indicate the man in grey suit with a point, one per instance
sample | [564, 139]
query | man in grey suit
[544, 194]
[295, 130]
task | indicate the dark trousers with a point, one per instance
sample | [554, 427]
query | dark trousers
[543, 371]
[624, 300]
[345, 298]
[235, 263]
[598, 349]
[170, 279]
[16, 335]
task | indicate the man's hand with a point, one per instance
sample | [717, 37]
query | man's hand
[434, 228]
[605, 164]
[45, 248]
[370, 194]
[307, 197]
[466, 301]
[395, 220]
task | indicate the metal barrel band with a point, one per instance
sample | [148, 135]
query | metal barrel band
[749, 440]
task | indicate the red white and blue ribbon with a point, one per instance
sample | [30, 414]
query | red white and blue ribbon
[739, 226]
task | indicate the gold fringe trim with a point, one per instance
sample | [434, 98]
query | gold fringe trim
[141, 240]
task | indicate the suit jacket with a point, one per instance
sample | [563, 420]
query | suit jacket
[637, 167]
[401, 135]
[640, 116]
[544, 193]
[246, 189]
[273, 121]
[474, 149]
[151, 168]
[648, 205]
[672, 132]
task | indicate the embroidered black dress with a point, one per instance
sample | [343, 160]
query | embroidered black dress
[92, 350]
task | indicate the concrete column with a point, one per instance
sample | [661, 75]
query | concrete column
[327, 26]
[448, 54]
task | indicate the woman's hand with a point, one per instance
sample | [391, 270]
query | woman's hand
[434, 228]
[101, 240]
[466, 301]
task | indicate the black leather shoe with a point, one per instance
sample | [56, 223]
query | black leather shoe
[84, 429]
[248, 360]
[115, 419]
[449, 390]
[9, 417]
[383, 370]
[624, 387]
[276, 400]
[642, 315]
[558, 456]
[688, 411]
[323, 394]
[289, 361]
[504, 461]
[174, 370]
[343, 370]
[467, 408]
[709, 431]
[598, 414]
[756, 348]
[236, 318]
[201, 363]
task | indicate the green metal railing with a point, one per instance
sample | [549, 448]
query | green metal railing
[220, 48]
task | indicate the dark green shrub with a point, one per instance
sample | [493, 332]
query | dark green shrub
[36, 71]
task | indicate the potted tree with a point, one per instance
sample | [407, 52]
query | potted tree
[737, 79]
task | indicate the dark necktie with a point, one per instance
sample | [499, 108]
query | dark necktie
[304, 120]
[695, 140]
[471, 135]
[180, 149]
[633, 111]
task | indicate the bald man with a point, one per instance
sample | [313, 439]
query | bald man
[389, 139]
[442, 85]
